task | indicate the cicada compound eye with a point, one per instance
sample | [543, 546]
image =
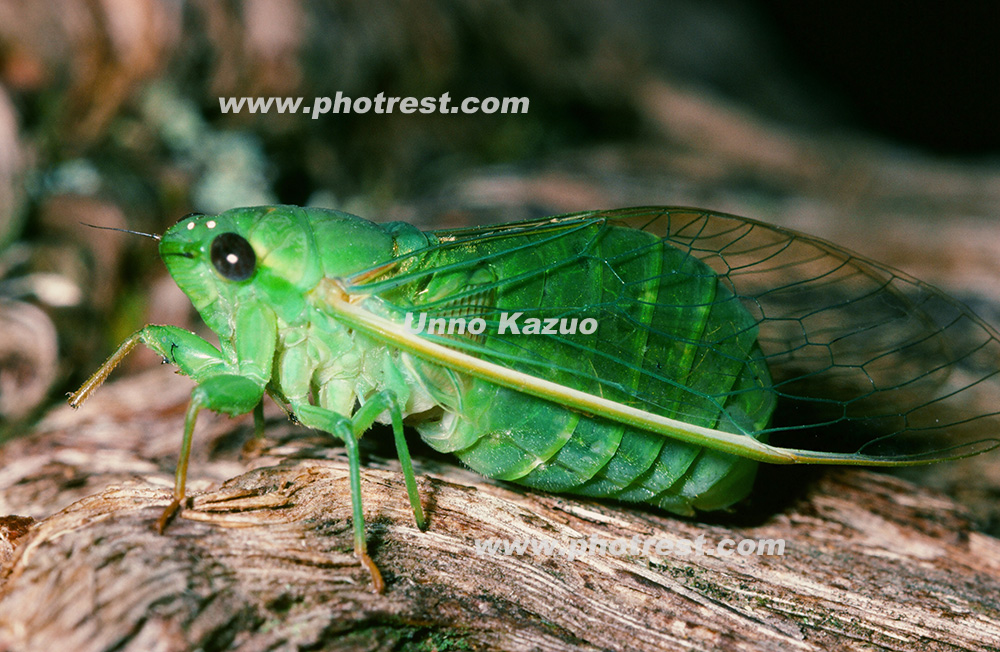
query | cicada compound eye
[233, 256]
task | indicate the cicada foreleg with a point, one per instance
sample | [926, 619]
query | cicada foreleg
[219, 388]
[226, 393]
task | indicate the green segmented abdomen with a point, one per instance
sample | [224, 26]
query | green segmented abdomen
[670, 339]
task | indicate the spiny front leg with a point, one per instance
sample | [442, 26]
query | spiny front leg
[227, 393]
[194, 357]
[221, 387]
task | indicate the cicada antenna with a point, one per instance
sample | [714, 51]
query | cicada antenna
[113, 228]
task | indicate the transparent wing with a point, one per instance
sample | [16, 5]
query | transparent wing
[712, 320]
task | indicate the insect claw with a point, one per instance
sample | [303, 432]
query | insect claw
[168, 514]
[378, 584]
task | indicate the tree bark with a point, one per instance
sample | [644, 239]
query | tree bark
[265, 559]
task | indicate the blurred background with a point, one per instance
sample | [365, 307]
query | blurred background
[874, 127]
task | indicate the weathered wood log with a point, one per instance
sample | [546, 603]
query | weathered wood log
[265, 559]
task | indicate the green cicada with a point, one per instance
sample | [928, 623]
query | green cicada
[635, 354]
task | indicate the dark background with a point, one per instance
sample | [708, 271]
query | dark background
[851, 121]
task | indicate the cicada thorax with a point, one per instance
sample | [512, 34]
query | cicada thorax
[670, 338]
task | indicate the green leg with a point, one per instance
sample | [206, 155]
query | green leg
[350, 431]
[231, 384]
[195, 357]
[219, 388]
[227, 393]
[365, 417]
[180, 477]
[342, 427]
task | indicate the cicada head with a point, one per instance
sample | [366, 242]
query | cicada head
[269, 254]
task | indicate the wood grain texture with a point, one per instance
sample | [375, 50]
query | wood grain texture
[264, 559]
